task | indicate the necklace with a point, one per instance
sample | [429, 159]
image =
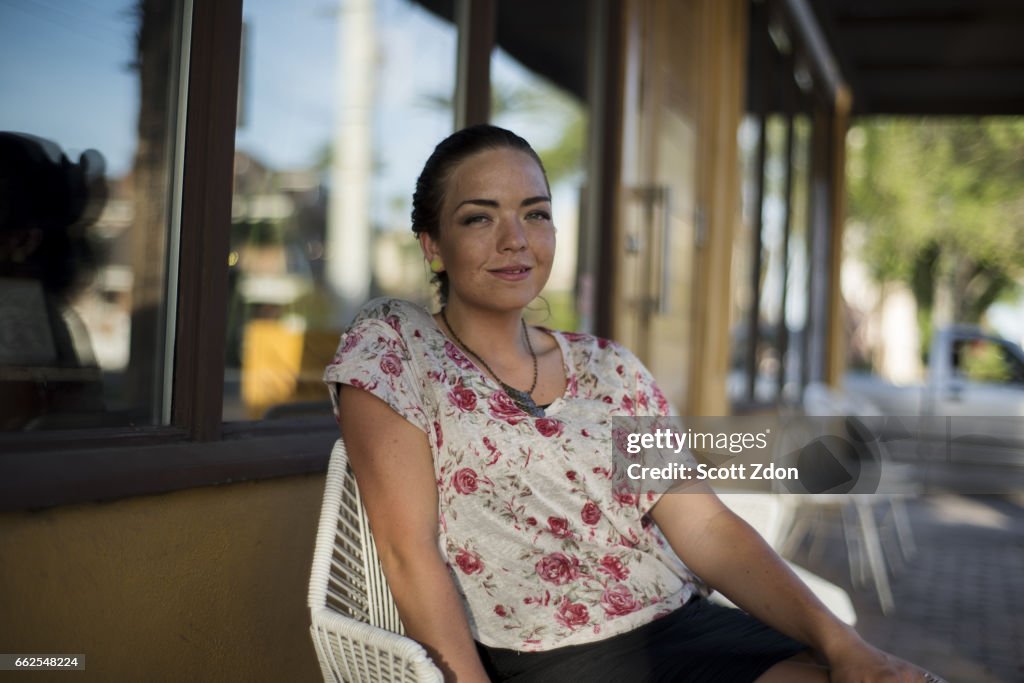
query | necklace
[522, 399]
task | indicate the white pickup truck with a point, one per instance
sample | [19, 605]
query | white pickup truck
[970, 373]
[972, 399]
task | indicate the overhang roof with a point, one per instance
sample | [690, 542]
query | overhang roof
[924, 57]
[546, 37]
[929, 57]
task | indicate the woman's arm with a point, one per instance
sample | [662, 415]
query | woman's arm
[394, 469]
[733, 558]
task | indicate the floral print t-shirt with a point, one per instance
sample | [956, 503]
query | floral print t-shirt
[542, 549]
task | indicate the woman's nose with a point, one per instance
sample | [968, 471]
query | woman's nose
[513, 235]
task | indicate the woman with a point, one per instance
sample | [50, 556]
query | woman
[482, 449]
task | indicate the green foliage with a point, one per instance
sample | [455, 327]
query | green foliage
[557, 109]
[941, 202]
[984, 363]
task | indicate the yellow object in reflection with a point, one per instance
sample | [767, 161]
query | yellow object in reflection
[283, 364]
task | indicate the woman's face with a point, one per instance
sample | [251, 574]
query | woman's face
[496, 241]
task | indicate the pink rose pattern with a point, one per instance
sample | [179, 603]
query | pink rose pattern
[546, 550]
[591, 513]
[469, 562]
[465, 481]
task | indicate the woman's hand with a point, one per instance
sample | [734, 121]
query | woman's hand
[862, 663]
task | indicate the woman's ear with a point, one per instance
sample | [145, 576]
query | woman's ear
[431, 253]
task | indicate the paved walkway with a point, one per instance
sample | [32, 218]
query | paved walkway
[959, 602]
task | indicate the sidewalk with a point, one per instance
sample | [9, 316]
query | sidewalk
[959, 602]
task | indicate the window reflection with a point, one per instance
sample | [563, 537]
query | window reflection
[748, 141]
[774, 210]
[538, 93]
[84, 190]
[341, 105]
[984, 360]
[797, 287]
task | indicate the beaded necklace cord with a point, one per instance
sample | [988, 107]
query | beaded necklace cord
[522, 399]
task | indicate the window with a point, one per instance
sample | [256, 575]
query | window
[772, 298]
[339, 112]
[985, 360]
[86, 190]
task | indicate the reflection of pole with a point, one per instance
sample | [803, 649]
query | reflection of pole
[348, 213]
[143, 384]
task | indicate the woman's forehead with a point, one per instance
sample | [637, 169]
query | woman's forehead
[494, 173]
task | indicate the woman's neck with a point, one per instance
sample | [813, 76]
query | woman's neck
[497, 336]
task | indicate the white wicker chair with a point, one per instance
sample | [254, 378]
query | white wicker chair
[355, 623]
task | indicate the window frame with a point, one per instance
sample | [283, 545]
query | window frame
[42, 469]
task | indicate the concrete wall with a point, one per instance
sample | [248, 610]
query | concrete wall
[204, 584]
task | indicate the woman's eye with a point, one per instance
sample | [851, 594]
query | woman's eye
[471, 220]
[539, 216]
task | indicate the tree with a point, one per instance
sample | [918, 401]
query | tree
[564, 156]
[941, 204]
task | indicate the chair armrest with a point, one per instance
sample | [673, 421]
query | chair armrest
[351, 650]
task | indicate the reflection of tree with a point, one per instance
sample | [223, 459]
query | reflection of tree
[156, 20]
[942, 209]
[984, 362]
[562, 158]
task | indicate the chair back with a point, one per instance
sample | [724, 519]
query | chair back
[346, 575]
[355, 624]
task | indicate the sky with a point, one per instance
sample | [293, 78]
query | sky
[64, 75]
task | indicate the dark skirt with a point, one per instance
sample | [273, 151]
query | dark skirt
[700, 642]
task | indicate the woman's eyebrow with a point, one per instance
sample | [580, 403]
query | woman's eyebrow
[491, 203]
[478, 202]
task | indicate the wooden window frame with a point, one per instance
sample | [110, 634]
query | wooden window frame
[42, 469]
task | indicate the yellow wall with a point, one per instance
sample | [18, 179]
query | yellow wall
[204, 584]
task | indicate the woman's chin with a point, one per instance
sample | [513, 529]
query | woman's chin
[502, 301]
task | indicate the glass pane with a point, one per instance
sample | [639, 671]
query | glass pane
[748, 140]
[537, 78]
[85, 176]
[773, 227]
[341, 105]
[984, 360]
[797, 291]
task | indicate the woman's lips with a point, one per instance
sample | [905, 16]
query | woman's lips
[512, 274]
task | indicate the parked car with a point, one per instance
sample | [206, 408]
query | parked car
[972, 396]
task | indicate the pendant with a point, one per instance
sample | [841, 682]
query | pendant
[524, 401]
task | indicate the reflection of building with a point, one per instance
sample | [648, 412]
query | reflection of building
[694, 249]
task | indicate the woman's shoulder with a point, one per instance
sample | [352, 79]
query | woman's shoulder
[397, 313]
[595, 347]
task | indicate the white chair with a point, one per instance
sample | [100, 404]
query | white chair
[355, 624]
[863, 540]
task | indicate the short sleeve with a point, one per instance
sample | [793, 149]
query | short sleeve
[643, 398]
[373, 356]
[649, 401]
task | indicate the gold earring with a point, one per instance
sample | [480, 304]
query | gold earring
[435, 265]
